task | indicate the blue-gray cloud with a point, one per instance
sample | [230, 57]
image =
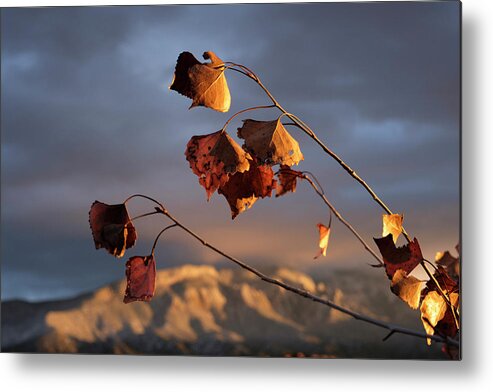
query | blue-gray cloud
[86, 114]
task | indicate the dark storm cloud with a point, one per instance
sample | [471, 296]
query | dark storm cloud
[86, 114]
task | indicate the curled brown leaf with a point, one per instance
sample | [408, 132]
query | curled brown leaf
[214, 157]
[111, 228]
[406, 257]
[244, 188]
[287, 179]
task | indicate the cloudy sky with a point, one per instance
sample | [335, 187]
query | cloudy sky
[87, 114]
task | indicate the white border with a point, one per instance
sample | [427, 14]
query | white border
[107, 373]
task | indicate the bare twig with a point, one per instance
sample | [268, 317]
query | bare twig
[358, 316]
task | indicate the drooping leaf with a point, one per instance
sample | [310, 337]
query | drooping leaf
[204, 83]
[446, 283]
[407, 288]
[450, 263]
[406, 257]
[392, 224]
[244, 188]
[447, 326]
[437, 316]
[270, 143]
[214, 157]
[287, 180]
[433, 309]
[141, 279]
[111, 228]
[323, 241]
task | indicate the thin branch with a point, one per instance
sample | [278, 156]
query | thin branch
[305, 128]
[159, 235]
[343, 221]
[143, 215]
[144, 197]
[306, 294]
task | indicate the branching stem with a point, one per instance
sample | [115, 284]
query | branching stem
[358, 316]
[305, 128]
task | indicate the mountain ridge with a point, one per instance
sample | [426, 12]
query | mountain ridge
[202, 310]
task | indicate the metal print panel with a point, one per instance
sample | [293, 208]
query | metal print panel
[274, 180]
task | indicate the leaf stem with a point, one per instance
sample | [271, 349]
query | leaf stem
[143, 215]
[159, 235]
[246, 110]
[144, 197]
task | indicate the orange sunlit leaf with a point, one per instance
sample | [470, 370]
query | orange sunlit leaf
[323, 241]
[270, 143]
[204, 83]
[392, 224]
[407, 288]
[433, 309]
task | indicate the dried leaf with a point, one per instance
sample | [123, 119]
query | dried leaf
[270, 143]
[141, 278]
[287, 180]
[407, 288]
[111, 228]
[433, 309]
[244, 188]
[446, 326]
[447, 284]
[214, 157]
[450, 263]
[323, 242]
[204, 83]
[406, 257]
[392, 224]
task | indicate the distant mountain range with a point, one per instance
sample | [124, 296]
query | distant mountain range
[202, 310]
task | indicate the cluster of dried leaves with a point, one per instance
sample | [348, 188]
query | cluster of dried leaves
[243, 174]
[437, 304]
[112, 229]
